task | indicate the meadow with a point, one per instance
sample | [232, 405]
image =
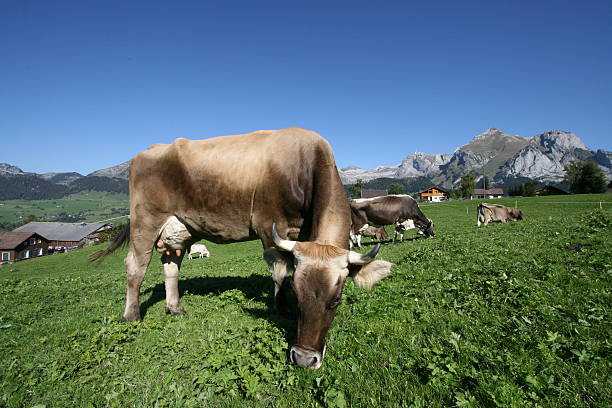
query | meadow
[90, 206]
[511, 315]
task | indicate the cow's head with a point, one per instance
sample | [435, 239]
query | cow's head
[428, 229]
[319, 277]
[516, 214]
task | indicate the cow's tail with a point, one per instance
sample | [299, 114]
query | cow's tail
[120, 240]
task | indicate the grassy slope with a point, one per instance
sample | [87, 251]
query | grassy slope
[497, 316]
[95, 205]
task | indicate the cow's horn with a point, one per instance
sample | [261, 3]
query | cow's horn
[284, 244]
[355, 258]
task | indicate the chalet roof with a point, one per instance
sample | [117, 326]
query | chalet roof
[11, 240]
[551, 188]
[366, 193]
[62, 231]
[493, 191]
[436, 187]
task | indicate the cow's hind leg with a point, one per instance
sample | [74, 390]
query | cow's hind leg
[279, 263]
[174, 239]
[172, 266]
[136, 262]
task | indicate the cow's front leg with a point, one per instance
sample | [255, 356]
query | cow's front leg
[172, 265]
[279, 263]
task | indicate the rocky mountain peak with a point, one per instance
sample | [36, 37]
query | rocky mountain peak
[6, 168]
[488, 133]
[558, 139]
[121, 171]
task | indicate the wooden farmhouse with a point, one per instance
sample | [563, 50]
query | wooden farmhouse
[16, 246]
[480, 193]
[434, 194]
[65, 234]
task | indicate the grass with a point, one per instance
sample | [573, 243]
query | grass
[503, 316]
[90, 205]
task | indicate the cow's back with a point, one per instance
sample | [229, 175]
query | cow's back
[226, 187]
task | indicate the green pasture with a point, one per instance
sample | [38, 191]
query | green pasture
[511, 315]
[91, 205]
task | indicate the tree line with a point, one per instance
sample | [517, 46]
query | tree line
[29, 187]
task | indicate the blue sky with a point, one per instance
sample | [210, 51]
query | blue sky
[86, 85]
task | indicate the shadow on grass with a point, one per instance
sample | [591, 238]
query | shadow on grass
[255, 287]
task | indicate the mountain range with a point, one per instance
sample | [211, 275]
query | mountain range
[505, 159]
[16, 184]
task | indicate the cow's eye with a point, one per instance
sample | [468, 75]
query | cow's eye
[332, 304]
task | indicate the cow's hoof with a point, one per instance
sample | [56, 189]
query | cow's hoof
[175, 311]
[132, 317]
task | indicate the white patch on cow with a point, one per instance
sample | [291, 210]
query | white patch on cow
[401, 195]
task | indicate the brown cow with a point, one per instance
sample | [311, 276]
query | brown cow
[497, 213]
[387, 210]
[246, 187]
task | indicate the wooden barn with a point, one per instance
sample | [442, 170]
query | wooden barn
[16, 246]
[64, 234]
[480, 193]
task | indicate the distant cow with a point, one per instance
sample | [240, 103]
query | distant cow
[497, 213]
[378, 233]
[199, 249]
[388, 210]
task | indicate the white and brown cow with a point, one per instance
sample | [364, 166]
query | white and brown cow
[279, 186]
[496, 213]
[388, 210]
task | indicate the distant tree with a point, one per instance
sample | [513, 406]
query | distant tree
[585, 177]
[530, 188]
[355, 189]
[516, 190]
[524, 190]
[467, 185]
[455, 194]
[397, 188]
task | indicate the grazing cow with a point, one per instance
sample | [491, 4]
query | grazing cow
[279, 186]
[388, 210]
[497, 213]
[199, 249]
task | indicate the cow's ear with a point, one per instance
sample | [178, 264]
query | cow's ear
[365, 276]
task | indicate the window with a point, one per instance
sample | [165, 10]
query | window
[6, 256]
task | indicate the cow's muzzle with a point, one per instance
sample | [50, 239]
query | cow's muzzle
[304, 358]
